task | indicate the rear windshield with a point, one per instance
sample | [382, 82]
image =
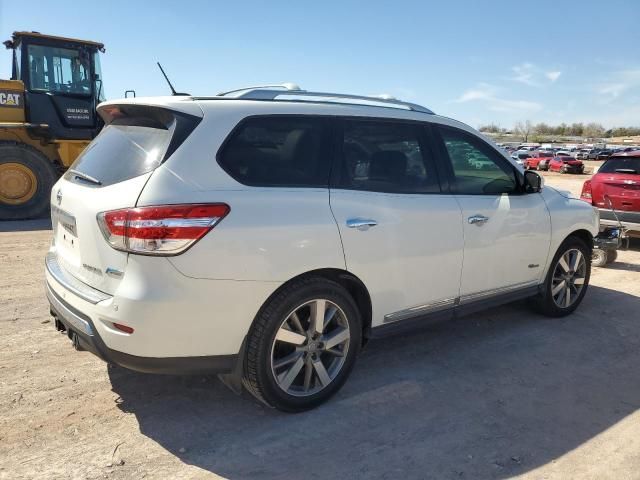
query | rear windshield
[122, 152]
[621, 165]
[136, 142]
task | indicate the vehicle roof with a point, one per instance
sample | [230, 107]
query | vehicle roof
[23, 34]
[265, 107]
[632, 153]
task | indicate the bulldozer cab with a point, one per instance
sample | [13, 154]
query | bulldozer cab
[63, 83]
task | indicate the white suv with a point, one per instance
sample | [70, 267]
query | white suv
[268, 233]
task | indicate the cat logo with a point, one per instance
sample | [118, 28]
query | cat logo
[10, 99]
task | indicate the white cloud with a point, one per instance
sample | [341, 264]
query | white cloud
[529, 74]
[553, 76]
[488, 95]
[524, 74]
[619, 83]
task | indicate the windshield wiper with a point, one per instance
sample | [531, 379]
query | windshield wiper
[85, 177]
[626, 170]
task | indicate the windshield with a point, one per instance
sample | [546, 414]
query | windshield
[59, 70]
[122, 152]
[621, 165]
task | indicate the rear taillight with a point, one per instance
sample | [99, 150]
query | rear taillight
[586, 192]
[160, 230]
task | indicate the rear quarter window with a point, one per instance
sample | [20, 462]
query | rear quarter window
[278, 151]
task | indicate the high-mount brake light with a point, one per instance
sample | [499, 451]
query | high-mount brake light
[162, 229]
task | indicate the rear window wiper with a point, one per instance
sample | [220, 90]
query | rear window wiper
[626, 170]
[85, 177]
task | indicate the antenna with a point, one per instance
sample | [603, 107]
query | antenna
[173, 90]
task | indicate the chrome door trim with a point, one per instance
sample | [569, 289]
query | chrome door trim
[495, 291]
[420, 310]
[448, 303]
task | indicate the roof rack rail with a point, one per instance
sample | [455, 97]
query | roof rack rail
[290, 92]
[285, 86]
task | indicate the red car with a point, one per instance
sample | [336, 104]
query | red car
[617, 186]
[566, 164]
[537, 161]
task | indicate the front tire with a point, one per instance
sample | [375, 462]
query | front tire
[303, 345]
[26, 179]
[567, 280]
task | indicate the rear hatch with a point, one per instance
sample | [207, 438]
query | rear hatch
[619, 180]
[110, 174]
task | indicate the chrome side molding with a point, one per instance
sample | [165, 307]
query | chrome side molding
[448, 303]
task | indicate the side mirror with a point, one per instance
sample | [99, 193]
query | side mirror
[532, 182]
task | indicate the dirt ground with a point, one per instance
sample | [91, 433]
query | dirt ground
[501, 394]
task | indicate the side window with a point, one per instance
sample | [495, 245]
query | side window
[477, 169]
[278, 152]
[385, 157]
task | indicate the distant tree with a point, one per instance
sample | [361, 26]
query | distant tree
[490, 128]
[593, 130]
[576, 130]
[543, 129]
[524, 129]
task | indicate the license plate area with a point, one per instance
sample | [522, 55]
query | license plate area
[65, 229]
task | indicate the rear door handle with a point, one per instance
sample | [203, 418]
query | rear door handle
[478, 220]
[362, 224]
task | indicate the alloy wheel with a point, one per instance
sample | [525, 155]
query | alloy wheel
[310, 347]
[568, 278]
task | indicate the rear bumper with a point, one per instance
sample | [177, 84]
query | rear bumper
[84, 335]
[181, 324]
[629, 220]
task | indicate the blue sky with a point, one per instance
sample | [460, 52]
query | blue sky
[477, 61]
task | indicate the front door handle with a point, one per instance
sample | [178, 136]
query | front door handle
[478, 220]
[362, 224]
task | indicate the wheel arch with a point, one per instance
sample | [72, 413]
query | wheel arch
[584, 235]
[349, 282]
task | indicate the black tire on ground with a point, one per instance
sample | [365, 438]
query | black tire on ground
[599, 258]
[44, 172]
[258, 376]
[612, 255]
[544, 302]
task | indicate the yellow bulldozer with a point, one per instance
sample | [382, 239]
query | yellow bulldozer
[47, 117]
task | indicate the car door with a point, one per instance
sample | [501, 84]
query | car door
[401, 236]
[506, 232]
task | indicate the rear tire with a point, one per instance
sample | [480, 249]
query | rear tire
[599, 258]
[567, 280]
[612, 255]
[26, 179]
[293, 363]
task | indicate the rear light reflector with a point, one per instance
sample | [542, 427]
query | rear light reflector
[123, 328]
[160, 230]
[586, 194]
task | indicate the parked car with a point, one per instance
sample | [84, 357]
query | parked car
[583, 154]
[533, 162]
[615, 191]
[593, 154]
[566, 164]
[269, 233]
[603, 154]
[521, 156]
